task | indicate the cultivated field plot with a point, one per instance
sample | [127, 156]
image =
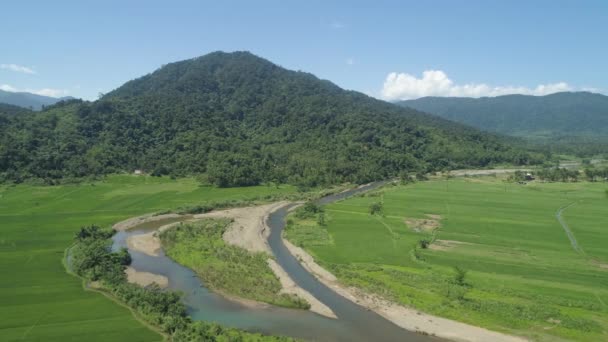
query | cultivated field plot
[39, 301]
[524, 276]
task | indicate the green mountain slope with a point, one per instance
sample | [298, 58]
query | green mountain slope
[240, 120]
[572, 114]
[9, 109]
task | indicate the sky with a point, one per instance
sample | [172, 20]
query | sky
[392, 50]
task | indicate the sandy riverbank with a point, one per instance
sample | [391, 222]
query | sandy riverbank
[145, 278]
[406, 318]
[135, 221]
[248, 230]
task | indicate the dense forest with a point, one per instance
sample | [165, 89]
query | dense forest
[236, 119]
[9, 109]
[568, 122]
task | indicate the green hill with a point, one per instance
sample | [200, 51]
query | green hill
[238, 119]
[560, 114]
[9, 109]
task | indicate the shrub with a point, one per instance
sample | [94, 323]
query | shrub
[376, 208]
[424, 243]
[460, 276]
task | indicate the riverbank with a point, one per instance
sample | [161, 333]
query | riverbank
[407, 318]
[248, 230]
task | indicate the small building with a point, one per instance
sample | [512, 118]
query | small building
[138, 172]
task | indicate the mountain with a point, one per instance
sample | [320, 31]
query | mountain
[29, 100]
[236, 119]
[9, 109]
[560, 114]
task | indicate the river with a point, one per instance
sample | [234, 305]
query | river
[354, 322]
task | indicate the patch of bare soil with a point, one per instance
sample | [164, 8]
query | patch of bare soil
[600, 264]
[147, 243]
[249, 229]
[424, 225]
[145, 278]
[444, 245]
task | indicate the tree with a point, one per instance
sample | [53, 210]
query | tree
[376, 208]
[460, 276]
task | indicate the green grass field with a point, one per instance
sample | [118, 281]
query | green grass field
[523, 277]
[39, 301]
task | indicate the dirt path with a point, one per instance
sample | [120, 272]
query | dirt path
[569, 232]
[407, 318]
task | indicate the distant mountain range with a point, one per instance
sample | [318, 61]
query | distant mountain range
[561, 114]
[29, 100]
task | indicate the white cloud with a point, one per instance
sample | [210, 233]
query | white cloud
[7, 87]
[350, 61]
[50, 92]
[337, 25]
[17, 68]
[44, 91]
[402, 86]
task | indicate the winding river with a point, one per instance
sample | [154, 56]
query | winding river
[354, 322]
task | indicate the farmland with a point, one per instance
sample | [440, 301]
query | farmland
[40, 301]
[521, 273]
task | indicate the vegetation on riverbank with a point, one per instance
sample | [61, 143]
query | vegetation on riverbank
[495, 255]
[92, 259]
[229, 269]
[40, 301]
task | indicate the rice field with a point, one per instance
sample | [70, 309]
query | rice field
[39, 301]
[523, 275]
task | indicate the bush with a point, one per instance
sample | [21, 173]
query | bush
[460, 276]
[376, 208]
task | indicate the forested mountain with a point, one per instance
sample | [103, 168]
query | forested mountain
[568, 113]
[238, 119]
[10, 109]
[29, 100]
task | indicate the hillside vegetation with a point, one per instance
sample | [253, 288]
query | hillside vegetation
[571, 122]
[240, 120]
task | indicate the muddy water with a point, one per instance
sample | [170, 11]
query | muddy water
[354, 322]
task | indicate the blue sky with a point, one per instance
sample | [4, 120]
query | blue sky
[388, 49]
